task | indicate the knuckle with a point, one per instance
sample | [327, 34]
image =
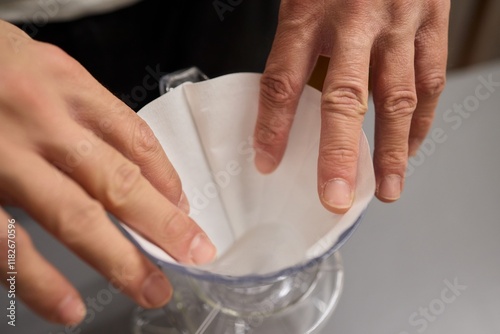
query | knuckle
[356, 6]
[144, 142]
[339, 157]
[440, 7]
[273, 129]
[295, 8]
[401, 10]
[394, 159]
[22, 88]
[125, 179]
[173, 182]
[345, 100]
[58, 59]
[265, 135]
[174, 228]
[297, 21]
[431, 86]
[423, 121]
[52, 51]
[71, 225]
[399, 103]
[278, 89]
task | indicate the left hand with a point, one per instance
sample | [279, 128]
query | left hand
[402, 44]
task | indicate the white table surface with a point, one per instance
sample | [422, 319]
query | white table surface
[445, 230]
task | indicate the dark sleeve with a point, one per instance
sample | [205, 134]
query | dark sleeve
[127, 49]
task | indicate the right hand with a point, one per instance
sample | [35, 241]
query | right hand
[400, 46]
[70, 151]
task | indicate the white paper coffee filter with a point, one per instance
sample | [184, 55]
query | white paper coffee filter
[259, 223]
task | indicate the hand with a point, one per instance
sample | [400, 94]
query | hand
[53, 113]
[403, 43]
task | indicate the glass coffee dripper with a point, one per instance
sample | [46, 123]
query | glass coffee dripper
[295, 300]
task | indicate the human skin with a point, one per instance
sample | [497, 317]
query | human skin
[398, 46]
[70, 152]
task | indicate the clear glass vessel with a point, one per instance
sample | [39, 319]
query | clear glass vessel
[294, 300]
[297, 302]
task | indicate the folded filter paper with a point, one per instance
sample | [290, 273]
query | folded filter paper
[260, 224]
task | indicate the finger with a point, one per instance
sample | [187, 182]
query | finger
[395, 100]
[34, 280]
[431, 54]
[344, 103]
[80, 222]
[288, 68]
[126, 193]
[131, 136]
[112, 120]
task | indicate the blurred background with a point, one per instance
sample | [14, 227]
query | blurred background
[474, 32]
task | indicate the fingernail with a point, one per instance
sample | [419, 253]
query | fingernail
[183, 203]
[71, 310]
[337, 193]
[390, 188]
[264, 162]
[156, 290]
[202, 250]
